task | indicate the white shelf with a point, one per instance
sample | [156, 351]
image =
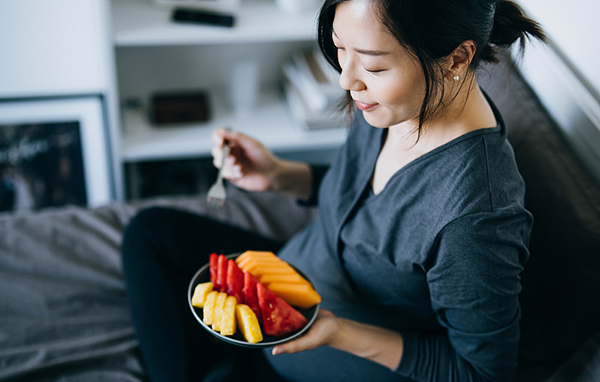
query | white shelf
[143, 23]
[270, 123]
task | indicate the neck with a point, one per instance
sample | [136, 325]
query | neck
[466, 112]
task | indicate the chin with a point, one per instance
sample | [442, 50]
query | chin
[377, 121]
[385, 118]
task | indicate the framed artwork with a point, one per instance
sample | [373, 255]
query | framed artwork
[53, 152]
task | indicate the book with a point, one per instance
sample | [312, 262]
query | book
[309, 119]
[312, 90]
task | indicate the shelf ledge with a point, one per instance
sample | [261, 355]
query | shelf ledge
[140, 23]
[270, 123]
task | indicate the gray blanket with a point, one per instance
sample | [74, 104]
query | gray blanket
[63, 310]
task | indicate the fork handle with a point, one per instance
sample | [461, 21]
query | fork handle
[225, 154]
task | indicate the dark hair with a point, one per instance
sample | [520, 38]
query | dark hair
[432, 29]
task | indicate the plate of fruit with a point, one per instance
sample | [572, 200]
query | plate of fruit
[253, 299]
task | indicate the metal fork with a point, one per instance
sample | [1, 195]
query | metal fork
[216, 193]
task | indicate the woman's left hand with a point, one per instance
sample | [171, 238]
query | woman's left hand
[380, 345]
[323, 332]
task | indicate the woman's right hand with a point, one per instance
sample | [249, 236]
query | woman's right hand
[250, 165]
[253, 167]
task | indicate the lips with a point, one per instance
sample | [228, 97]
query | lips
[365, 106]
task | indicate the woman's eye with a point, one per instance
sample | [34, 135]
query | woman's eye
[375, 70]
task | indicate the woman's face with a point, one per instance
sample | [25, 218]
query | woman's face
[385, 81]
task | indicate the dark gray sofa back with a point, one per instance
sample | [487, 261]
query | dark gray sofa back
[561, 283]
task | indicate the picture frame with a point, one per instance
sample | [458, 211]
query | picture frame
[54, 152]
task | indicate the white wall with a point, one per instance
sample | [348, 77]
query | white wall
[564, 73]
[54, 48]
[51, 47]
[574, 30]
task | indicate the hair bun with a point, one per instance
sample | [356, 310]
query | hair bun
[511, 24]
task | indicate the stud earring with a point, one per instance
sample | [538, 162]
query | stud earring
[456, 77]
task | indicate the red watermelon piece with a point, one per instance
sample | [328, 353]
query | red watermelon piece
[235, 281]
[214, 261]
[221, 284]
[278, 317]
[250, 294]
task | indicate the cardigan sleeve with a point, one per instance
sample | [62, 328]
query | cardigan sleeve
[474, 281]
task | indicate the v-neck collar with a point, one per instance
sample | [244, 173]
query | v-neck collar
[500, 127]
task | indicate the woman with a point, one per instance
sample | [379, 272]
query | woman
[422, 233]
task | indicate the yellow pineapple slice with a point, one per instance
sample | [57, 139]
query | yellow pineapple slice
[209, 308]
[200, 293]
[218, 312]
[228, 322]
[248, 323]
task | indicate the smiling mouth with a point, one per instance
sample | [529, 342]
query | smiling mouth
[365, 106]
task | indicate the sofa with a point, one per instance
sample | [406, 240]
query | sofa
[560, 300]
[63, 311]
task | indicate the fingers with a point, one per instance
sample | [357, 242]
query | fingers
[231, 169]
[318, 335]
[235, 139]
[219, 137]
[222, 135]
[325, 313]
[217, 155]
[306, 342]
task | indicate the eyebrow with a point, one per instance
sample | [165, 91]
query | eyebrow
[368, 52]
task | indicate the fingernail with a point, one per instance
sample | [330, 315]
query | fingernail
[276, 351]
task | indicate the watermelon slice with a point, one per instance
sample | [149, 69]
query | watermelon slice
[214, 261]
[250, 296]
[278, 317]
[235, 281]
[221, 284]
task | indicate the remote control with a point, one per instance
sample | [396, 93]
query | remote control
[198, 16]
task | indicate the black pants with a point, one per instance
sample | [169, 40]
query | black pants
[162, 249]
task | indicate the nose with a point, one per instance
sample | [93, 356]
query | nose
[349, 78]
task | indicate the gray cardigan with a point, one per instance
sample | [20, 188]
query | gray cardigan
[437, 256]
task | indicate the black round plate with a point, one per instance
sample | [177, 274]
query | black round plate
[203, 275]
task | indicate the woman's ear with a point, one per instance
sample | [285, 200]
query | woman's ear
[459, 60]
